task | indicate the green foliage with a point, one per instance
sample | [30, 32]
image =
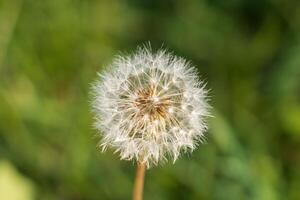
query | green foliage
[247, 51]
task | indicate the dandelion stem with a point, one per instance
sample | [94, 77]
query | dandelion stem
[139, 182]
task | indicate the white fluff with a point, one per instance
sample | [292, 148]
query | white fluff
[150, 106]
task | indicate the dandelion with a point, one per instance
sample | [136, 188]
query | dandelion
[150, 107]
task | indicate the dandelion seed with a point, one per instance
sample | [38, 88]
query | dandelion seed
[171, 110]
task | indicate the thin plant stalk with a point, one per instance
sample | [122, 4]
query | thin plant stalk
[139, 182]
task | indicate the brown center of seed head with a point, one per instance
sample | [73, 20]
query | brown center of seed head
[151, 105]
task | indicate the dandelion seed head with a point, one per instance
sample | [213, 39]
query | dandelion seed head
[150, 106]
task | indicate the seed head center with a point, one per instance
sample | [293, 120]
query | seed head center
[151, 104]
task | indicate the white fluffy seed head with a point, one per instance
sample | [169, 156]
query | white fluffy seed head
[150, 106]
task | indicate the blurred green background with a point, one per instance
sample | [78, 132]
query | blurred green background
[247, 50]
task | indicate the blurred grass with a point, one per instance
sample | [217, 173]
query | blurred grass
[247, 51]
[12, 185]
